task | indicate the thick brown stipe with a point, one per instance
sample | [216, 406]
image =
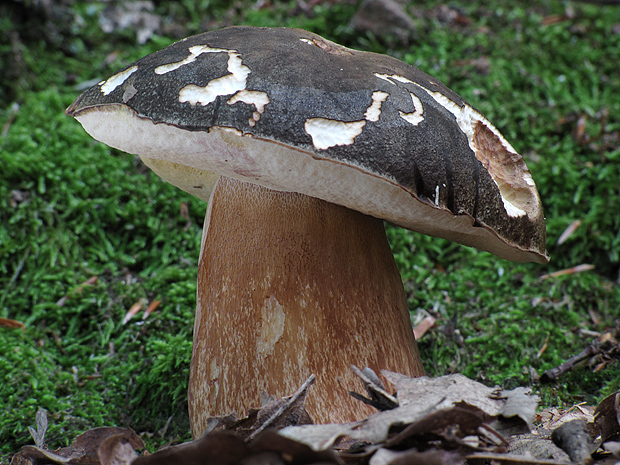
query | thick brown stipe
[271, 290]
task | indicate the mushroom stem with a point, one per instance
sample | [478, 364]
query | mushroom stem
[289, 286]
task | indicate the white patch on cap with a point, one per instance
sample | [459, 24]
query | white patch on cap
[374, 110]
[394, 77]
[307, 41]
[467, 118]
[194, 52]
[225, 85]
[116, 80]
[328, 133]
[417, 116]
[251, 97]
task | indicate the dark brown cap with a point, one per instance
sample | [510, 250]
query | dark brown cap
[289, 110]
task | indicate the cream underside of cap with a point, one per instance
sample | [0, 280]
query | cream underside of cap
[190, 159]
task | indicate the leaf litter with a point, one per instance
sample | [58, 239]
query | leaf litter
[447, 420]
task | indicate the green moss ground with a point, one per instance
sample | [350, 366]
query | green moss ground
[71, 209]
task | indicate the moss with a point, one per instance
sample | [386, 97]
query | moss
[71, 209]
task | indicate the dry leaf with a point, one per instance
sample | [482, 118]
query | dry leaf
[520, 403]
[452, 425]
[292, 451]
[421, 328]
[412, 456]
[38, 434]
[378, 397]
[508, 459]
[444, 392]
[289, 411]
[83, 450]
[607, 416]
[220, 448]
[425, 403]
[216, 448]
[275, 413]
[116, 450]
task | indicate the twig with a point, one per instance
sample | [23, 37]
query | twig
[606, 346]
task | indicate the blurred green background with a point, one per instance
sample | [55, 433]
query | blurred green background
[546, 73]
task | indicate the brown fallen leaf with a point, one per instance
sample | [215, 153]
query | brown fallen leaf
[289, 411]
[427, 323]
[136, 16]
[607, 417]
[275, 413]
[383, 18]
[519, 403]
[83, 450]
[412, 456]
[292, 451]
[553, 19]
[448, 420]
[420, 400]
[216, 448]
[442, 426]
[378, 397]
[537, 445]
[219, 448]
[510, 459]
[116, 450]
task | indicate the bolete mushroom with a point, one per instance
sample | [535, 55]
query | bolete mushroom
[302, 148]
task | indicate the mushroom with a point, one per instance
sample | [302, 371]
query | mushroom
[302, 148]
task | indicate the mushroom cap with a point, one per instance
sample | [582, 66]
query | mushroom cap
[291, 111]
